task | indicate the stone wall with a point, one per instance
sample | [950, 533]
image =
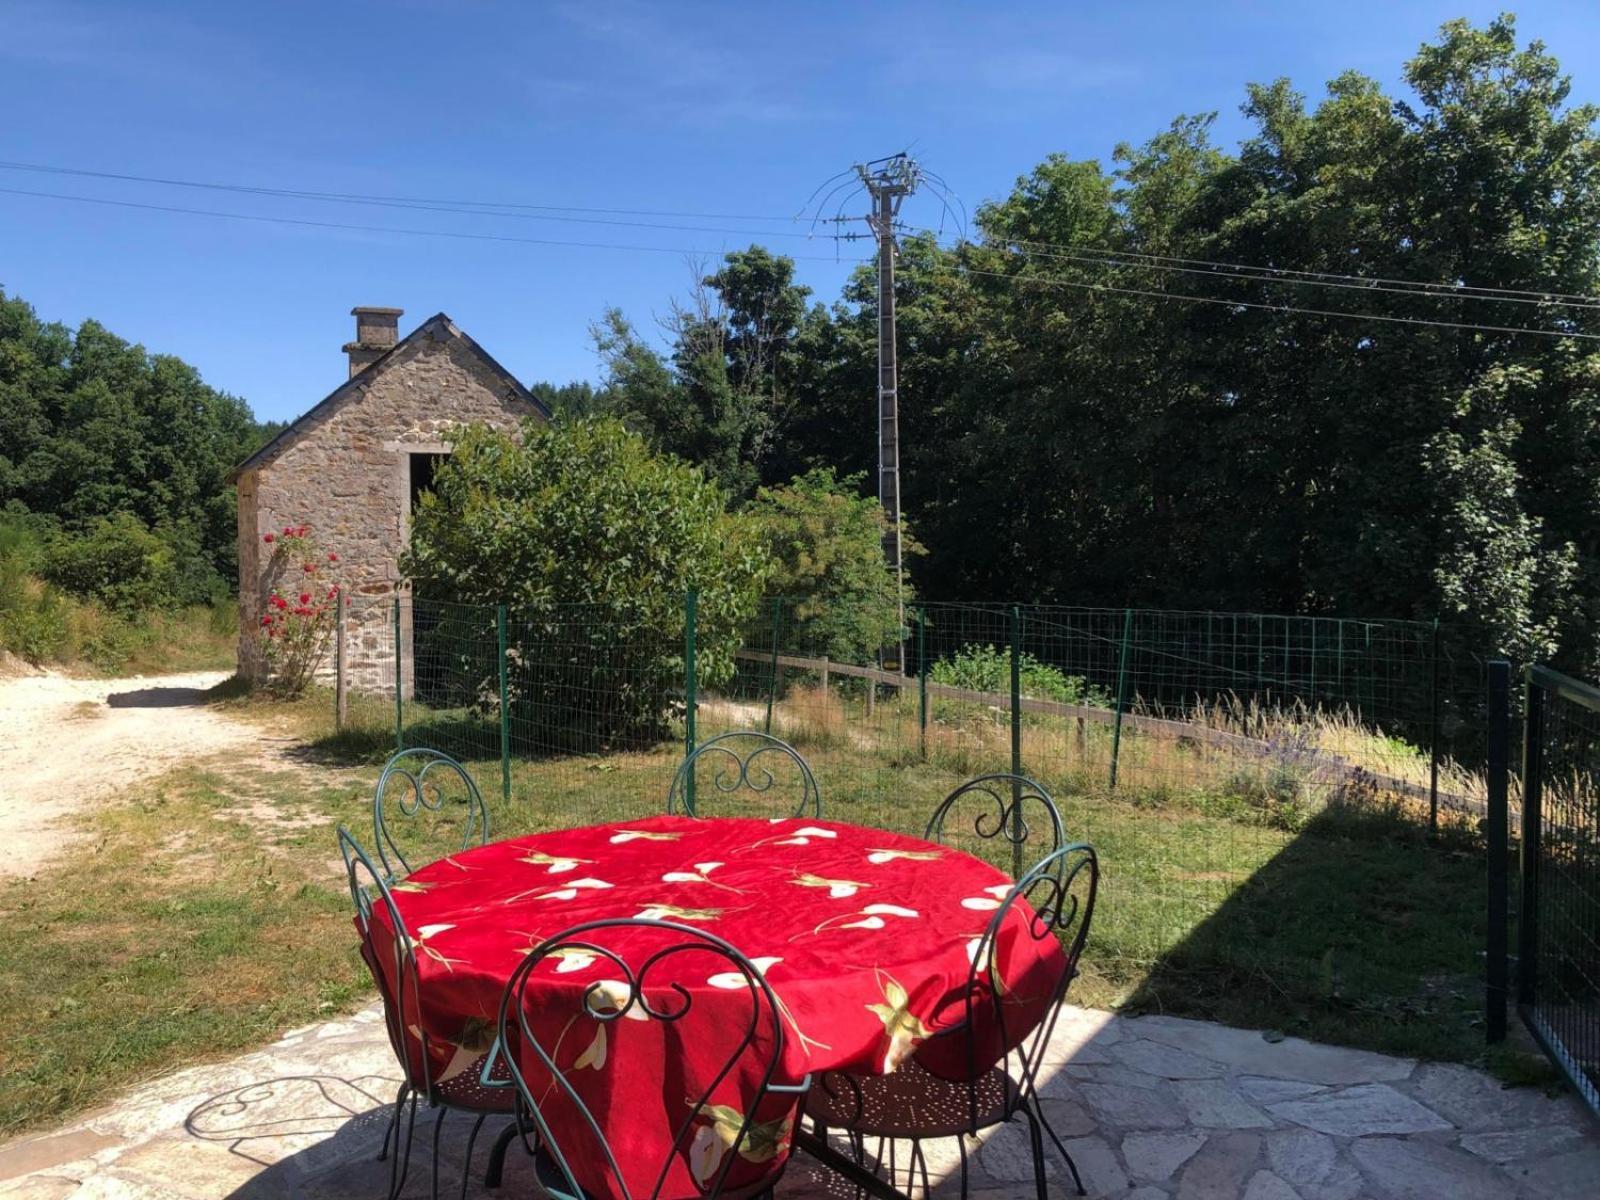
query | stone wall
[346, 473]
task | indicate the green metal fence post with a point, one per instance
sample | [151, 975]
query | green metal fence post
[691, 601]
[772, 669]
[399, 682]
[1433, 736]
[1495, 828]
[1016, 742]
[922, 683]
[1122, 692]
[505, 707]
[1313, 688]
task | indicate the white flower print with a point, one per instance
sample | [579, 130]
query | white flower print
[878, 857]
[570, 890]
[734, 980]
[991, 900]
[554, 864]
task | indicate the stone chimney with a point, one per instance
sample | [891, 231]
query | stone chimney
[377, 331]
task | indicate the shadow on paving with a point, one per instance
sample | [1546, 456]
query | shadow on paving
[317, 1137]
[1361, 931]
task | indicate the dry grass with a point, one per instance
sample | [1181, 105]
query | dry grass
[184, 929]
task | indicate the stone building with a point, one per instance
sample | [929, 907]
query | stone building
[352, 468]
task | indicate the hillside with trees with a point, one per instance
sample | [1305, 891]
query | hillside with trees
[112, 488]
[1073, 431]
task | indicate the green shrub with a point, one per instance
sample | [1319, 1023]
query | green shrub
[106, 640]
[591, 539]
[988, 669]
[35, 623]
[117, 562]
[827, 542]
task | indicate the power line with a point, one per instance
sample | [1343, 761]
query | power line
[1411, 286]
[449, 207]
[301, 194]
[1002, 275]
[1282, 308]
[440, 233]
[1121, 261]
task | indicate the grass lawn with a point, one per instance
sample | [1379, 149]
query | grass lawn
[208, 912]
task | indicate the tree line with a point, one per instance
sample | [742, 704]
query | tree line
[1073, 432]
[113, 464]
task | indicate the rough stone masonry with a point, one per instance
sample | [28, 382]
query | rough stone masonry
[346, 468]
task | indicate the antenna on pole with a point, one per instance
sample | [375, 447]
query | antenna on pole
[888, 182]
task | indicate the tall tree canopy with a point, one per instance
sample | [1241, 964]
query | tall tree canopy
[1068, 442]
[92, 427]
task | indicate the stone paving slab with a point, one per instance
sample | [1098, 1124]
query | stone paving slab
[1151, 1108]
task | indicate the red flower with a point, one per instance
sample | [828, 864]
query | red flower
[310, 568]
[267, 619]
[268, 539]
[334, 590]
[288, 531]
[305, 597]
[279, 602]
[332, 557]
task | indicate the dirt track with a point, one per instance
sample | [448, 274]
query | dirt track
[66, 742]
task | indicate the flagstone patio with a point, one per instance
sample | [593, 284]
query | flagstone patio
[1150, 1107]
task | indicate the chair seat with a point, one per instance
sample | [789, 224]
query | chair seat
[911, 1102]
[466, 1090]
[555, 1183]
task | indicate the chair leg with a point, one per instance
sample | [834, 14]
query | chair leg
[400, 1165]
[394, 1121]
[961, 1146]
[497, 1156]
[1036, 1144]
[918, 1160]
[438, 1128]
[1038, 1112]
[858, 1142]
[466, 1164]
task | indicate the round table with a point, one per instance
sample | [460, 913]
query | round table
[867, 939]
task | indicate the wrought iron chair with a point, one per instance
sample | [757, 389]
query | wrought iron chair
[976, 1074]
[1004, 807]
[733, 1140]
[418, 784]
[744, 758]
[463, 1084]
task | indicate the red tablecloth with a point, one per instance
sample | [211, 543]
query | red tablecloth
[866, 938]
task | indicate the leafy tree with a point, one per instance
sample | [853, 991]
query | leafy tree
[592, 539]
[576, 399]
[826, 541]
[116, 561]
[724, 395]
[94, 427]
[1062, 441]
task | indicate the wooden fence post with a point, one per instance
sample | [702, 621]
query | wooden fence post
[341, 676]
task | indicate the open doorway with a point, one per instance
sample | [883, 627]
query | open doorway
[423, 467]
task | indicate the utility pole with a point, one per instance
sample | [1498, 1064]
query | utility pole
[888, 182]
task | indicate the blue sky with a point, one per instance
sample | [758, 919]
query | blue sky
[725, 108]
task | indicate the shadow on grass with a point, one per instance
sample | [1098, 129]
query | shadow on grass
[1362, 931]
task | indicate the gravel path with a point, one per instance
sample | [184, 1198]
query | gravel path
[66, 742]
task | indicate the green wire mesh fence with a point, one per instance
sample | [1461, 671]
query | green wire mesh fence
[1260, 786]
